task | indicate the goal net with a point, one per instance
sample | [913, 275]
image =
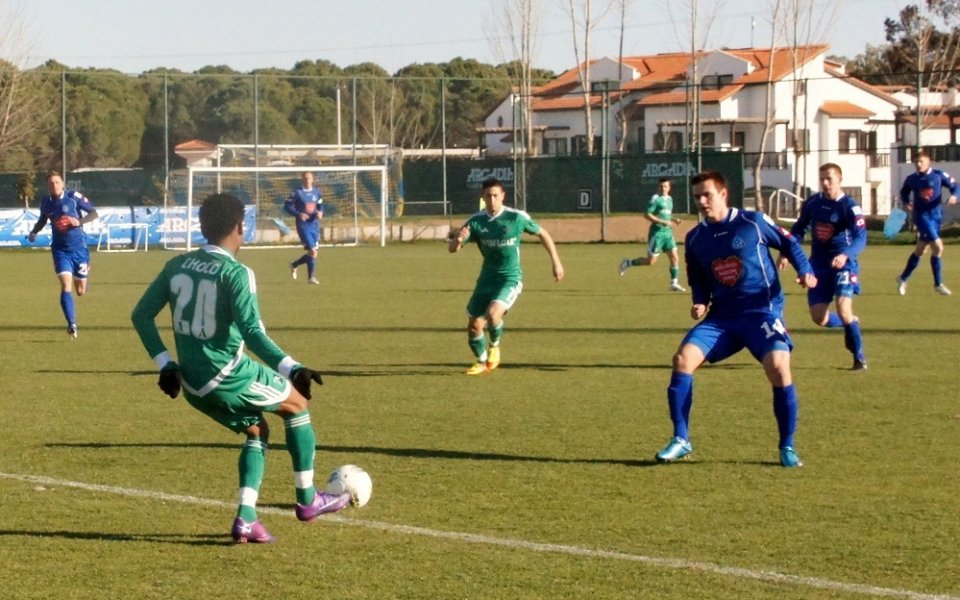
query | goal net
[355, 203]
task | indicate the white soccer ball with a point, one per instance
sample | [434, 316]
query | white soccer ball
[351, 479]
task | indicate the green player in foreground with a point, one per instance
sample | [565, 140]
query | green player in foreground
[213, 300]
[497, 231]
[660, 238]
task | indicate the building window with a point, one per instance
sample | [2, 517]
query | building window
[555, 146]
[799, 140]
[715, 81]
[500, 121]
[848, 141]
[579, 144]
[853, 192]
[668, 141]
[739, 139]
[708, 139]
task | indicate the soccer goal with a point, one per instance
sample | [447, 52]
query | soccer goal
[355, 200]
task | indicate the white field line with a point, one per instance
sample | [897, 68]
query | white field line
[473, 538]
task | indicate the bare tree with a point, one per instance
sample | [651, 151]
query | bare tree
[927, 34]
[20, 108]
[768, 112]
[803, 25]
[514, 39]
[582, 24]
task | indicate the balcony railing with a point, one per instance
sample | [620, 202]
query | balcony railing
[948, 153]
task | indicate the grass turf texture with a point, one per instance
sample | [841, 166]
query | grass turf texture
[555, 447]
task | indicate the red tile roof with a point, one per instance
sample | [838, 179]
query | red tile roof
[195, 146]
[843, 109]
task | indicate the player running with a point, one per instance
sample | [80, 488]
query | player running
[306, 204]
[497, 231]
[736, 291]
[67, 211]
[926, 187]
[838, 236]
[213, 299]
[660, 237]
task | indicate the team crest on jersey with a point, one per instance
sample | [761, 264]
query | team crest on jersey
[727, 270]
[926, 194]
[738, 243]
[823, 231]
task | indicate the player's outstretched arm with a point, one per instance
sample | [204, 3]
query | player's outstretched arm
[551, 249]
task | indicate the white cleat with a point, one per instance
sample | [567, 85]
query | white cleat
[676, 287]
[293, 272]
[901, 287]
[942, 290]
[624, 265]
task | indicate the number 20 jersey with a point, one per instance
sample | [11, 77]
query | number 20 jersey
[213, 301]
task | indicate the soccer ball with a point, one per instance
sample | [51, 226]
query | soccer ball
[352, 479]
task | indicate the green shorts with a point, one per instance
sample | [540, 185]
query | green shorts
[504, 292]
[660, 241]
[241, 399]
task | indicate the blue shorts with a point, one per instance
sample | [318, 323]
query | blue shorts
[309, 235]
[928, 228]
[833, 284]
[75, 262]
[760, 332]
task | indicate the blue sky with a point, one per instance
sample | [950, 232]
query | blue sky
[136, 35]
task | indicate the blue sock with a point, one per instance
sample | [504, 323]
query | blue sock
[852, 339]
[680, 399]
[833, 320]
[66, 304]
[311, 265]
[785, 409]
[912, 263]
[937, 268]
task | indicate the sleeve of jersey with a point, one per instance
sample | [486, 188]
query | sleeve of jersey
[905, 192]
[857, 230]
[698, 279]
[778, 237]
[950, 182]
[246, 314]
[84, 204]
[144, 319]
[530, 226]
[290, 208]
[799, 228]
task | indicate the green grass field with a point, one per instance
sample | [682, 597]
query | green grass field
[535, 481]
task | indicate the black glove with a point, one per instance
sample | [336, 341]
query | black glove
[169, 380]
[301, 378]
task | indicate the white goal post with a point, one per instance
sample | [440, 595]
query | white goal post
[352, 194]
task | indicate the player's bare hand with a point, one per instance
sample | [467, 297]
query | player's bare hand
[952, 200]
[677, 221]
[697, 311]
[558, 272]
[304, 216]
[808, 281]
[782, 263]
[32, 237]
[839, 261]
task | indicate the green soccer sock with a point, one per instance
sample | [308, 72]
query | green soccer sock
[496, 331]
[301, 444]
[478, 346]
[250, 468]
[674, 273]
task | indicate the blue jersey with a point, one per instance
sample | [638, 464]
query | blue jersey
[729, 265]
[70, 204]
[836, 227]
[926, 189]
[308, 202]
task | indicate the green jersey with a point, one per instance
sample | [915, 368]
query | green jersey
[498, 238]
[214, 309]
[661, 207]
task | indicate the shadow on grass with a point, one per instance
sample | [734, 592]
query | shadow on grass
[208, 539]
[420, 453]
